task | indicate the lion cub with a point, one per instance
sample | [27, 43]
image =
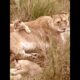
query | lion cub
[19, 25]
[26, 66]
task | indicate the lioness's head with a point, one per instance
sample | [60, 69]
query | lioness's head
[61, 22]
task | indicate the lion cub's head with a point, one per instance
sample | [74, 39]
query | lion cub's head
[61, 22]
[19, 25]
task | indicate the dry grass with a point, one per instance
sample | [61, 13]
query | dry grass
[31, 9]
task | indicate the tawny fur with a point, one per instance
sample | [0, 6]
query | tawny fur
[20, 24]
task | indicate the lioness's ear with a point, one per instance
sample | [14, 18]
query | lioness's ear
[55, 18]
[67, 15]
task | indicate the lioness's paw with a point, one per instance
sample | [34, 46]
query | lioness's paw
[34, 55]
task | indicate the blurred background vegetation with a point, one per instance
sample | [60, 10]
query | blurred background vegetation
[31, 9]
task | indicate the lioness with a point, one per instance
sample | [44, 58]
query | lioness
[59, 23]
[42, 30]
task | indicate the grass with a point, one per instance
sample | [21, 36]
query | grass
[58, 68]
[31, 9]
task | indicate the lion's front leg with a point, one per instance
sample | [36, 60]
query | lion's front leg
[18, 71]
[25, 27]
[25, 55]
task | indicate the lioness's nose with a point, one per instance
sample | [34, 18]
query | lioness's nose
[63, 28]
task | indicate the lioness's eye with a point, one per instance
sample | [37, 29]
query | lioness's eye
[19, 21]
[65, 21]
[58, 22]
